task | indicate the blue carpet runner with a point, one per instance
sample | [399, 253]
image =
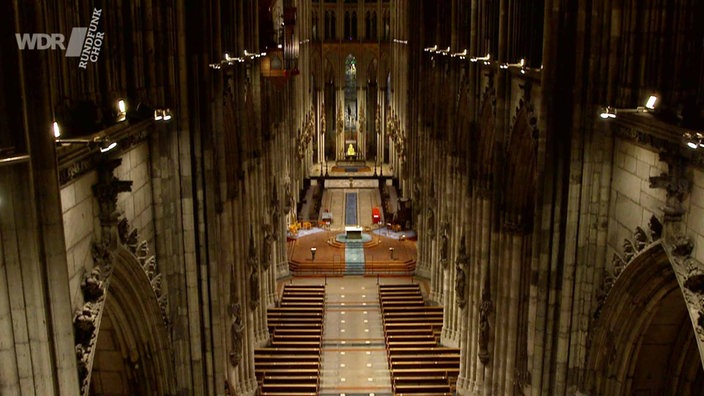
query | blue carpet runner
[350, 208]
[354, 258]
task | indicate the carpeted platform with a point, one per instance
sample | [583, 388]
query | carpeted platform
[351, 169]
[354, 258]
[351, 208]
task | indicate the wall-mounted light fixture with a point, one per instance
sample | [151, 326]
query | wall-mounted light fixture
[608, 112]
[56, 129]
[521, 64]
[228, 60]
[694, 140]
[102, 143]
[431, 49]
[444, 52]
[162, 114]
[460, 55]
[486, 59]
[121, 110]
[106, 146]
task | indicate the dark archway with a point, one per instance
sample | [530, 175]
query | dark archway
[643, 342]
[133, 355]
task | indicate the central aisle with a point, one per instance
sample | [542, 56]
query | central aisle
[353, 357]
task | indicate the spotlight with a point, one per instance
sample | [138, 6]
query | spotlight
[446, 51]
[158, 115]
[520, 64]
[106, 146]
[431, 49]
[462, 54]
[57, 131]
[694, 140]
[608, 112]
[121, 110]
[485, 58]
[167, 114]
[652, 101]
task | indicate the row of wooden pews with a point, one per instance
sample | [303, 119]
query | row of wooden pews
[418, 364]
[290, 365]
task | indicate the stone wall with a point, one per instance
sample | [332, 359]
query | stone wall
[695, 214]
[632, 201]
[80, 213]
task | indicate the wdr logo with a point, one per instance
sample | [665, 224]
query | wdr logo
[84, 42]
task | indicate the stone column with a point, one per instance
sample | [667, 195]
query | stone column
[34, 288]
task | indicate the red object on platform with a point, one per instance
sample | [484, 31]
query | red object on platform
[376, 216]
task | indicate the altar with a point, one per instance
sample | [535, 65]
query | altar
[353, 233]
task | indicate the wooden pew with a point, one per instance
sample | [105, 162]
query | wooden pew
[397, 295]
[296, 337]
[409, 326]
[281, 371]
[451, 373]
[294, 344]
[400, 297]
[290, 379]
[295, 310]
[438, 350]
[276, 322]
[300, 286]
[294, 359]
[286, 351]
[411, 344]
[391, 338]
[399, 286]
[413, 316]
[304, 331]
[293, 393]
[302, 298]
[407, 309]
[289, 388]
[448, 357]
[301, 304]
[268, 366]
[306, 325]
[423, 379]
[424, 364]
[405, 301]
[426, 389]
[413, 331]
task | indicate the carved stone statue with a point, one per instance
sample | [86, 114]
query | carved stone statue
[254, 289]
[485, 309]
[431, 223]
[236, 330]
[444, 251]
[460, 285]
[655, 228]
[252, 258]
[93, 285]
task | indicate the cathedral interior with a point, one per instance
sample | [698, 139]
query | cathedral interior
[255, 197]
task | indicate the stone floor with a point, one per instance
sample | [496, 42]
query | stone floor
[354, 360]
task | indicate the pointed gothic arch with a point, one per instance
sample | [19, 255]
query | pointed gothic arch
[133, 343]
[644, 338]
[486, 130]
[518, 184]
